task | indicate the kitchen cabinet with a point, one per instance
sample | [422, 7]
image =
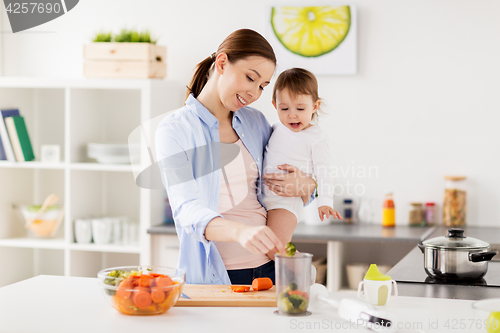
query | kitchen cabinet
[71, 113]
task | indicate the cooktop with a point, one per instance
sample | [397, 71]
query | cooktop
[411, 270]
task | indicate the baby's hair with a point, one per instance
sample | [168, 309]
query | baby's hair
[298, 81]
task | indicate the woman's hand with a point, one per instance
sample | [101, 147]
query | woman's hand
[295, 183]
[325, 210]
[259, 239]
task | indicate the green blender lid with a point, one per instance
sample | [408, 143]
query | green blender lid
[374, 274]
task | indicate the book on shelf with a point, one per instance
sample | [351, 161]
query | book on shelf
[5, 143]
[19, 138]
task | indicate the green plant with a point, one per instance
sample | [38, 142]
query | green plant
[102, 37]
[125, 36]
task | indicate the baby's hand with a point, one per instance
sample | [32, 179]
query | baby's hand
[325, 210]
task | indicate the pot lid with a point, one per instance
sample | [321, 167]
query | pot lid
[456, 240]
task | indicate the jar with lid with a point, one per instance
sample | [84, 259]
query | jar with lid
[454, 205]
[348, 211]
[416, 217]
[430, 213]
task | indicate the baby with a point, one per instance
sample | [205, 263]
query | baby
[296, 141]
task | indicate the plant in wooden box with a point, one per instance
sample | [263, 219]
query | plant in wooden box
[129, 54]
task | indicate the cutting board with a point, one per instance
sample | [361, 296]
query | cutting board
[222, 295]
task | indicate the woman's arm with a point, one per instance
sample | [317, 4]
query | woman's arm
[295, 183]
[255, 239]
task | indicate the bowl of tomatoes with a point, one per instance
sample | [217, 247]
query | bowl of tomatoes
[142, 290]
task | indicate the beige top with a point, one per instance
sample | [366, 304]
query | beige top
[238, 202]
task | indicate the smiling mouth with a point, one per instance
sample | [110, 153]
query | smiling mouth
[241, 100]
[295, 125]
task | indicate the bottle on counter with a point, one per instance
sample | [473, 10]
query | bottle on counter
[454, 205]
[416, 218]
[348, 211]
[388, 211]
[430, 213]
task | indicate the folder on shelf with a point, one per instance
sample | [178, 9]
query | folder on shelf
[5, 143]
[19, 138]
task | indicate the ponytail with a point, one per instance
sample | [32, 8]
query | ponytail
[238, 45]
[200, 77]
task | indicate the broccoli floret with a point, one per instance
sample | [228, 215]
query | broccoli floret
[293, 286]
[296, 300]
[290, 249]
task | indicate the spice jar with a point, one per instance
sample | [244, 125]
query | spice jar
[347, 210]
[454, 205]
[430, 213]
[416, 215]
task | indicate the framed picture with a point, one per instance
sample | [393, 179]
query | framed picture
[321, 39]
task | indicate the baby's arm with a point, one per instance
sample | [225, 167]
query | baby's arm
[322, 165]
[283, 224]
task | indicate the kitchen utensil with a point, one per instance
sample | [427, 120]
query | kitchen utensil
[49, 201]
[46, 224]
[492, 305]
[293, 279]
[377, 288]
[222, 296]
[83, 231]
[455, 256]
[125, 296]
[354, 311]
[185, 296]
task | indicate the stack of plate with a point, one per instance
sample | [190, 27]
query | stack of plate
[108, 153]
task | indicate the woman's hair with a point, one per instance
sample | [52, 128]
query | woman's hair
[238, 45]
[298, 81]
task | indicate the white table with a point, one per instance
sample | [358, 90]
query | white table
[56, 304]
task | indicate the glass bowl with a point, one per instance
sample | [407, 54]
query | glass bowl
[147, 290]
[47, 223]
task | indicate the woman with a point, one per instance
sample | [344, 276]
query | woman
[222, 242]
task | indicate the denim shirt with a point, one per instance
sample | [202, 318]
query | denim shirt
[187, 144]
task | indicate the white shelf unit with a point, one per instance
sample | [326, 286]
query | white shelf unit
[71, 113]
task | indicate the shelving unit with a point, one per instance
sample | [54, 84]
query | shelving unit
[71, 113]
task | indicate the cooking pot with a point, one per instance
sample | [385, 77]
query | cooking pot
[455, 256]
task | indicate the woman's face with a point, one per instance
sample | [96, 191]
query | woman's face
[242, 82]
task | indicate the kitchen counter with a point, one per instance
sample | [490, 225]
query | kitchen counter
[339, 232]
[56, 304]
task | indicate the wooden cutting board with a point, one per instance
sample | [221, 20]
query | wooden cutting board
[222, 295]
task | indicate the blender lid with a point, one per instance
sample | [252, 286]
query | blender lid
[456, 240]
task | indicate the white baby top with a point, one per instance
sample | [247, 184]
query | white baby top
[307, 150]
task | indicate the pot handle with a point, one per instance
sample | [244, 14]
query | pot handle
[482, 256]
[421, 246]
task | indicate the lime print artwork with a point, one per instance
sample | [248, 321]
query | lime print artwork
[311, 31]
[321, 39]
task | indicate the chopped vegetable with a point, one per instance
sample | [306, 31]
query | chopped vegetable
[142, 297]
[290, 249]
[293, 286]
[157, 295]
[262, 284]
[240, 289]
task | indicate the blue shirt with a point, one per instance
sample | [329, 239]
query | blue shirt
[188, 151]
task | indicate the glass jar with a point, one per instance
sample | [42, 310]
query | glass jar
[416, 218]
[430, 213]
[454, 205]
[348, 211]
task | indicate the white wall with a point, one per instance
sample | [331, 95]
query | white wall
[424, 103]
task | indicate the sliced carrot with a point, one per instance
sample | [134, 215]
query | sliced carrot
[240, 289]
[155, 275]
[262, 283]
[145, 281]
[123, 290]
[163, 281]
[141, 297]
[295, 292]
[157, 295]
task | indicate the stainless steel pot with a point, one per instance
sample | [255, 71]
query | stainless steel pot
[455, 256]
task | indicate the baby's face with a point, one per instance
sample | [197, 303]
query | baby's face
[295, 112]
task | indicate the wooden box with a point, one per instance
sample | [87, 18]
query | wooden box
[125, 60]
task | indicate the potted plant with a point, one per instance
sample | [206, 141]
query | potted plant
[129, 54]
